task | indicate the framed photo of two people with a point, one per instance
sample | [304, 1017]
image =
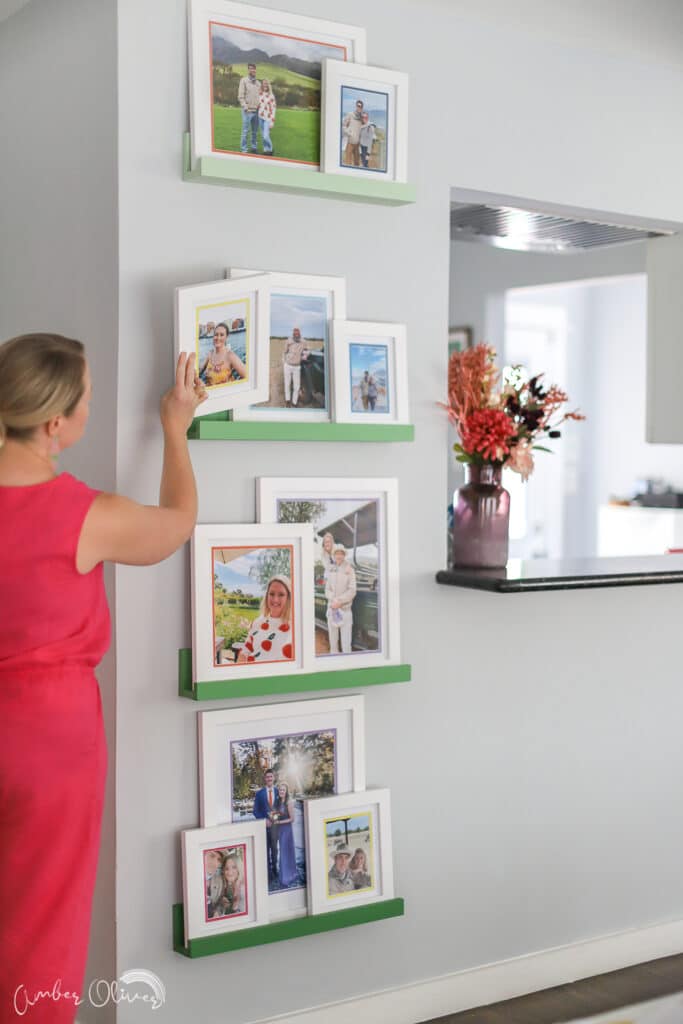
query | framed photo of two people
[255, 80]
[355, 565]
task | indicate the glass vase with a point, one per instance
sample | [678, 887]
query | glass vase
[481, 519]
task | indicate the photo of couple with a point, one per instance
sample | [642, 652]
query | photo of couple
[225, 882]
[252, 605]
[346, 570]
[349, 852]
[369, 367]
[364, 129]
[271, 778]
[265, 90]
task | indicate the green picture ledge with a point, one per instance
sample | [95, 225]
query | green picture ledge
[275, 176]
[259, 935]
[206, 428]
[295, 683]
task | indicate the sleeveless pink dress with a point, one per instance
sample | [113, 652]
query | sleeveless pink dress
[54, 629]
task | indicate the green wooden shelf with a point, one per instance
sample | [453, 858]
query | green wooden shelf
[211, 428]
[259, 935]
[277, 176]
[262, 686]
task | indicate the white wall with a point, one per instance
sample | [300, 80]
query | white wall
[58, 265]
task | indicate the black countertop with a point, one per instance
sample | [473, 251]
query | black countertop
[568, 574]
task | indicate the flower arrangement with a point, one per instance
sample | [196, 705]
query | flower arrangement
[501, 422]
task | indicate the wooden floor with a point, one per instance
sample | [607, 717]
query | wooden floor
[600, 994]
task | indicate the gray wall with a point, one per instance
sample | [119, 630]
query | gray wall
[58, 263]
[520, 811]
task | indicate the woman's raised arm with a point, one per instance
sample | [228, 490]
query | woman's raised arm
[117, 529]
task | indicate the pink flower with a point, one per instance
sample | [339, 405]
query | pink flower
[521, 460]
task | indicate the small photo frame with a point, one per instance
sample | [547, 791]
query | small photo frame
[459, 339]
[302, 309]
[259, 764]
[349, 850]
[225, 886]
[370, 372]
[252, 601]
[225, 324]
[255, 81]
[365, 121]
[356, 577]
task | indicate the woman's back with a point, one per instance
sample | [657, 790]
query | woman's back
[51, 614]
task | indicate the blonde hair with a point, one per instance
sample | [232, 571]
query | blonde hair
[41, 376]
[287, 613]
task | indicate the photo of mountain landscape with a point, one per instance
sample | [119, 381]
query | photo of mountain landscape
[278, 120]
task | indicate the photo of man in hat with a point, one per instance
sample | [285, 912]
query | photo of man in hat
[340, 590]
[339, 878]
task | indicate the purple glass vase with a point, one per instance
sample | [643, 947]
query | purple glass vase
[481, 519]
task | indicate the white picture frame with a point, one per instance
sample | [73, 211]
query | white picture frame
[381, 93]
[223, 557]
[246, 844]
[199, 309]
[376, 588]
[359, 344]
[220, 25]
[336, 823]
[238, 745]
[313, 288]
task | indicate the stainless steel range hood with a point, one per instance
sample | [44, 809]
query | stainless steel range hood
[526, 231]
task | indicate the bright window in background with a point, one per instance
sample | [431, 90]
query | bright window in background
[536, 338]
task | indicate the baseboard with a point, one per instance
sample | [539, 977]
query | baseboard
[452, 993]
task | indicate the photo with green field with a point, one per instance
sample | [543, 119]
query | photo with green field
[240, 580]
[292, 67]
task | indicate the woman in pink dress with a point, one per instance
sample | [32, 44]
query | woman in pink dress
[54, 629]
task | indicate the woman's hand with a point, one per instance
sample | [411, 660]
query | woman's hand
[178, 405]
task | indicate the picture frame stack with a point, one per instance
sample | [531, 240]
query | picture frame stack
[279, 100]
[323, 538]
[290, 841]
[278, 356]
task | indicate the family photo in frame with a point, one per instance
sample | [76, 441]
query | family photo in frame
[365, 121]
[225, 325]
[370, 372]
[224, 878]
[349, 850]
[259, 764]
[355, 562]
[302, 309]
[251, 600]
[256, 77]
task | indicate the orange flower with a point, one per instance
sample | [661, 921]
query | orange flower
[486, 432]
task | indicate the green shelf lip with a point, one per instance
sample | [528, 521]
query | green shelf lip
[210, 429]
[279, 931]
[263, 686]
[213, 170]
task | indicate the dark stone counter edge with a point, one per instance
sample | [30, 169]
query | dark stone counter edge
[477, 579]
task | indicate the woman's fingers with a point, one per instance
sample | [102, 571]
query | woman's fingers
[180, 369]
[189, 371]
